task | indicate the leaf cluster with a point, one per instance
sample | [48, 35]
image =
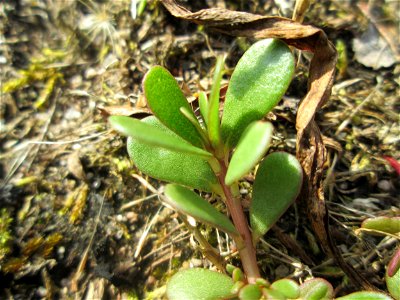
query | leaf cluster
[211, 152]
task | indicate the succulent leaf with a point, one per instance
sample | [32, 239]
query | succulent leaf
[213, 124]
[277, 184]
[171, 166]
[194, 284]
[189, 203]
[316, 289]
[287, 287]
[165, 98]
[258, 82]
[153, 136]
[384, 224]
[365, 295]
[250, 291]
[252, 146]
[203, 104]
[393, 284]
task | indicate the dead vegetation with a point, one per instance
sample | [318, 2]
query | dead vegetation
[77, 221]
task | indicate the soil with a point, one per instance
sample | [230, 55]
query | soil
[75, 222]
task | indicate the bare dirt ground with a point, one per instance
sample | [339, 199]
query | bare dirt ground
[74, 221]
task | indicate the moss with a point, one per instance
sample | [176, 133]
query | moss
[5, 233]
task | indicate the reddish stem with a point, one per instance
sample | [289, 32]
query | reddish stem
[245, 246]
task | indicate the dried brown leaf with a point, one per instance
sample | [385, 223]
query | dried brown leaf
[125, 110]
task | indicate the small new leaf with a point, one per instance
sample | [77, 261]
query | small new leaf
[195, 284]
[165, 98]
[213, 120]
[203, 104]
[287, 287]
[154, 136]
[258, 82]
[316, 289]
[252, 146]
[277, 184]
[189, 203]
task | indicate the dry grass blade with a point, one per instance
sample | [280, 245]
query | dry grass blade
[311, 151]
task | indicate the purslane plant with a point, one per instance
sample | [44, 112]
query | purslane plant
[208, 152]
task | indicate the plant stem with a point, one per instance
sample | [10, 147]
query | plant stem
[245, 246]
[208, 251]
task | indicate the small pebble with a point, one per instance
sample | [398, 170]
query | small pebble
[385, 185]
[72, 114]
[120, 218]
[41, 292]
[131, 216]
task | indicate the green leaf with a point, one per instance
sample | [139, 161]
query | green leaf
[196, 284]
[153, 136]
[203, 104]
[157, 162]
[393, 284]
[277, 184]
[316, 289]
[394, 264]
[258, 82]
[384, 224]
[252, 146]
[271, 294]
[165, 98]
[250, 292]
[189, 203]
[213, 110]
[365, 295]
[287, 287]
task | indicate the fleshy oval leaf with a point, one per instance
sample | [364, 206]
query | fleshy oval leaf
[394, 264]
[189, 203]
[316, 289]
[252, 146]
[393, 284]
[250, 292]
[165, 98]
[195, 284]
[159, 163]
[258, 82]
[271, 294]
[384, 224]
[287, 287]
[154, 136]
[277, 184]
[365, 295]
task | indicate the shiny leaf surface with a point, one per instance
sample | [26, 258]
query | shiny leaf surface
[365, 295]
[252, 146]
[316, 289]
[277, 184]
[171, 166]
[196, 284]
[287, 287]
[189, 203]
[384, 224]
[165, 98]
[258, 82]
[154, 136]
